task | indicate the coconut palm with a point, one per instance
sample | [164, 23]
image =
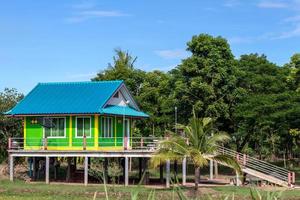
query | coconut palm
[200, 145]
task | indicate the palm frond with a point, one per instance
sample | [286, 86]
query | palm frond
[197, 157]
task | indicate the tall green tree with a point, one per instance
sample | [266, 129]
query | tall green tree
[268, 108]
[123, 68]
[206, 81]
[154, 97]
[9, 127]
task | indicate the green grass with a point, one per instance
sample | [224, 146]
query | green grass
[40, 191]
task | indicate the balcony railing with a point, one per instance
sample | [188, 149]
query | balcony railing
[149, 144]
[132, 143]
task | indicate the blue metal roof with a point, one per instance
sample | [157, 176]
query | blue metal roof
[67, 98]
[122, 110]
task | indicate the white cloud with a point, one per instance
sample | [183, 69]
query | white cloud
[84, 15]
[292, 19]
[172, 53]
[272, 4]
[239, 40]
[290, 34]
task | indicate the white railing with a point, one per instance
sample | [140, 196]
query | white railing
[132, 143]
[150, 144]
[260, 166]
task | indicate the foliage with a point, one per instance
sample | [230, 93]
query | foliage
[267, 110]
[123, 69]
[114, 171]
[206, 80]
[200, 144]
[270, 195]
[96, 170]
[9, 127]
[251, 98]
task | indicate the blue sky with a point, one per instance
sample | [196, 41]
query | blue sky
[46, 41]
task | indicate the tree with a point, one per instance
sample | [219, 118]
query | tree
[150, 89]
[259, 76]
[8, 126]
[261, 115]
[206, 80]
[155, 99]
[200, 145]
[294, 72]
[123, 69]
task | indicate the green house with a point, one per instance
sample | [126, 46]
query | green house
[78, 115]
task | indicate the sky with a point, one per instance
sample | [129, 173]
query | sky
[72, 40]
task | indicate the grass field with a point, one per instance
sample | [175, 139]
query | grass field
[40, 191]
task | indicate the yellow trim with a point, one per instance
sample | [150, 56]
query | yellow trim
[74, 148]
[115, 131]
[70, 132]
[24, 132]
[96, 135]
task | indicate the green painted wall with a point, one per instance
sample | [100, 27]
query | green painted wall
[35, 132]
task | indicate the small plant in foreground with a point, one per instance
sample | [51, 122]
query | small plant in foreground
[114, 171]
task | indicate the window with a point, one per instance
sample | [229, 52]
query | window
[107, 127]
[116, 95]
[83, 126]
[58, 128]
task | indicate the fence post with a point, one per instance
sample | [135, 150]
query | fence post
[238, 157]
[289, 178]
[45, 143]
[9, 143]
[244, 159]
[293, 178]
[84, 142]
[142, 142]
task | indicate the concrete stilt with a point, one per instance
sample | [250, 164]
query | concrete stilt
[34, 168]
[211, 170]
[106, 169]
[126, 171]
[184, 171]
[68, 178]
[47, 170]
[168, 174]
[238, 181]
[11, 168]
[86, 163]
[216, 170]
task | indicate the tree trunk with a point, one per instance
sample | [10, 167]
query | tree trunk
[175, 170]
[197, 177]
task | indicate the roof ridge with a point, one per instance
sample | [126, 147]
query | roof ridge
[80, 82]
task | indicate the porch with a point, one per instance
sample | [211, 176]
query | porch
[135, 147]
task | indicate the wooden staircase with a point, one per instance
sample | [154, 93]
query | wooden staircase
[262, 169]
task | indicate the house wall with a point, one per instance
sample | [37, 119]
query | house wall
[34, 134]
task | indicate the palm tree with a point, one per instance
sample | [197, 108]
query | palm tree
[200, 144]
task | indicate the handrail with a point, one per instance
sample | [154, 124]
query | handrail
[261, 166]
[151, 143]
